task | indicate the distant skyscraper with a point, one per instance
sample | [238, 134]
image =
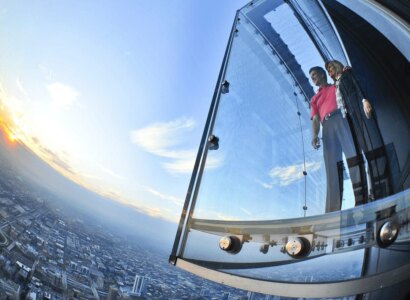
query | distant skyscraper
[140, 285]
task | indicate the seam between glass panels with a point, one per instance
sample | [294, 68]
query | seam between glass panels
[208, 129]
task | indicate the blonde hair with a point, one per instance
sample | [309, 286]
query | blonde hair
[336, 64]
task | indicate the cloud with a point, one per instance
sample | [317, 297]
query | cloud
[264, 184]
[173, 199]
[186, 165]
[155, 212]
[158, 138]
[109, 172]
[207, 213]
[56, 160]
[90, 176]
[165, 140]
[245, 211]
[20, 87]
[224, 217]
[180, 165]
[287, 175]
[62, 95]
[110, 193]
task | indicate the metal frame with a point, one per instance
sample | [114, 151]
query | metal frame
[201, 156]
[387, 22]
[305, 290]
[335, 31]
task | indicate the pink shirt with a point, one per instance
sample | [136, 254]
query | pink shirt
[324, 102]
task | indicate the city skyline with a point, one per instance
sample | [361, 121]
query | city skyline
[54, 252]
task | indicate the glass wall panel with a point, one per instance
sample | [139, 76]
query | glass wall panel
[259, 207]
[261, 157]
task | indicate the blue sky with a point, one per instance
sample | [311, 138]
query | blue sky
[114, 94]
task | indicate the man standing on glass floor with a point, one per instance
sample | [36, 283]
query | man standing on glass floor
[337, 138]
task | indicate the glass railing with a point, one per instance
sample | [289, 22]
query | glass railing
[324, 248]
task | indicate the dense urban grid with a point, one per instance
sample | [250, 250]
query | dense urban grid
[45, 253]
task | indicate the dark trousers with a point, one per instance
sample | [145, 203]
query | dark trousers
[338, 139]
[370, 140]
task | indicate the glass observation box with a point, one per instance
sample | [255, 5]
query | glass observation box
[301, 182]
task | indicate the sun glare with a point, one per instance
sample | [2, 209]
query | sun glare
[9, 135]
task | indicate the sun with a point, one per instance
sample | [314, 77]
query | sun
[10, 136]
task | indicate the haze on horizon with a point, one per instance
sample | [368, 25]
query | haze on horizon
[22, 169]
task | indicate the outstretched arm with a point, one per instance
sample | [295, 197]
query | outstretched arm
[315, 131]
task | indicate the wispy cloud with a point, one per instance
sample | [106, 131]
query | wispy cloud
[156, 212]
[162, 196]
[181, 165]
[225, 217]
[186, 164]
[167, 140]
[159, 138]
[264, 184]
[212, 214]
[284, 176]
[90, 176]
[245, 211]
[20, 87]
[57, 160]
[110, 193]
[110, 172]
[62, 95]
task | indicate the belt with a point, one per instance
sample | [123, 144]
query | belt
[329, 115]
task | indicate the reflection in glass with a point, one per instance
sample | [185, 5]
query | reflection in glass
[264, 129]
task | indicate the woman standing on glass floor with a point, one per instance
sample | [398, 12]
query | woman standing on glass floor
[365, 130]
